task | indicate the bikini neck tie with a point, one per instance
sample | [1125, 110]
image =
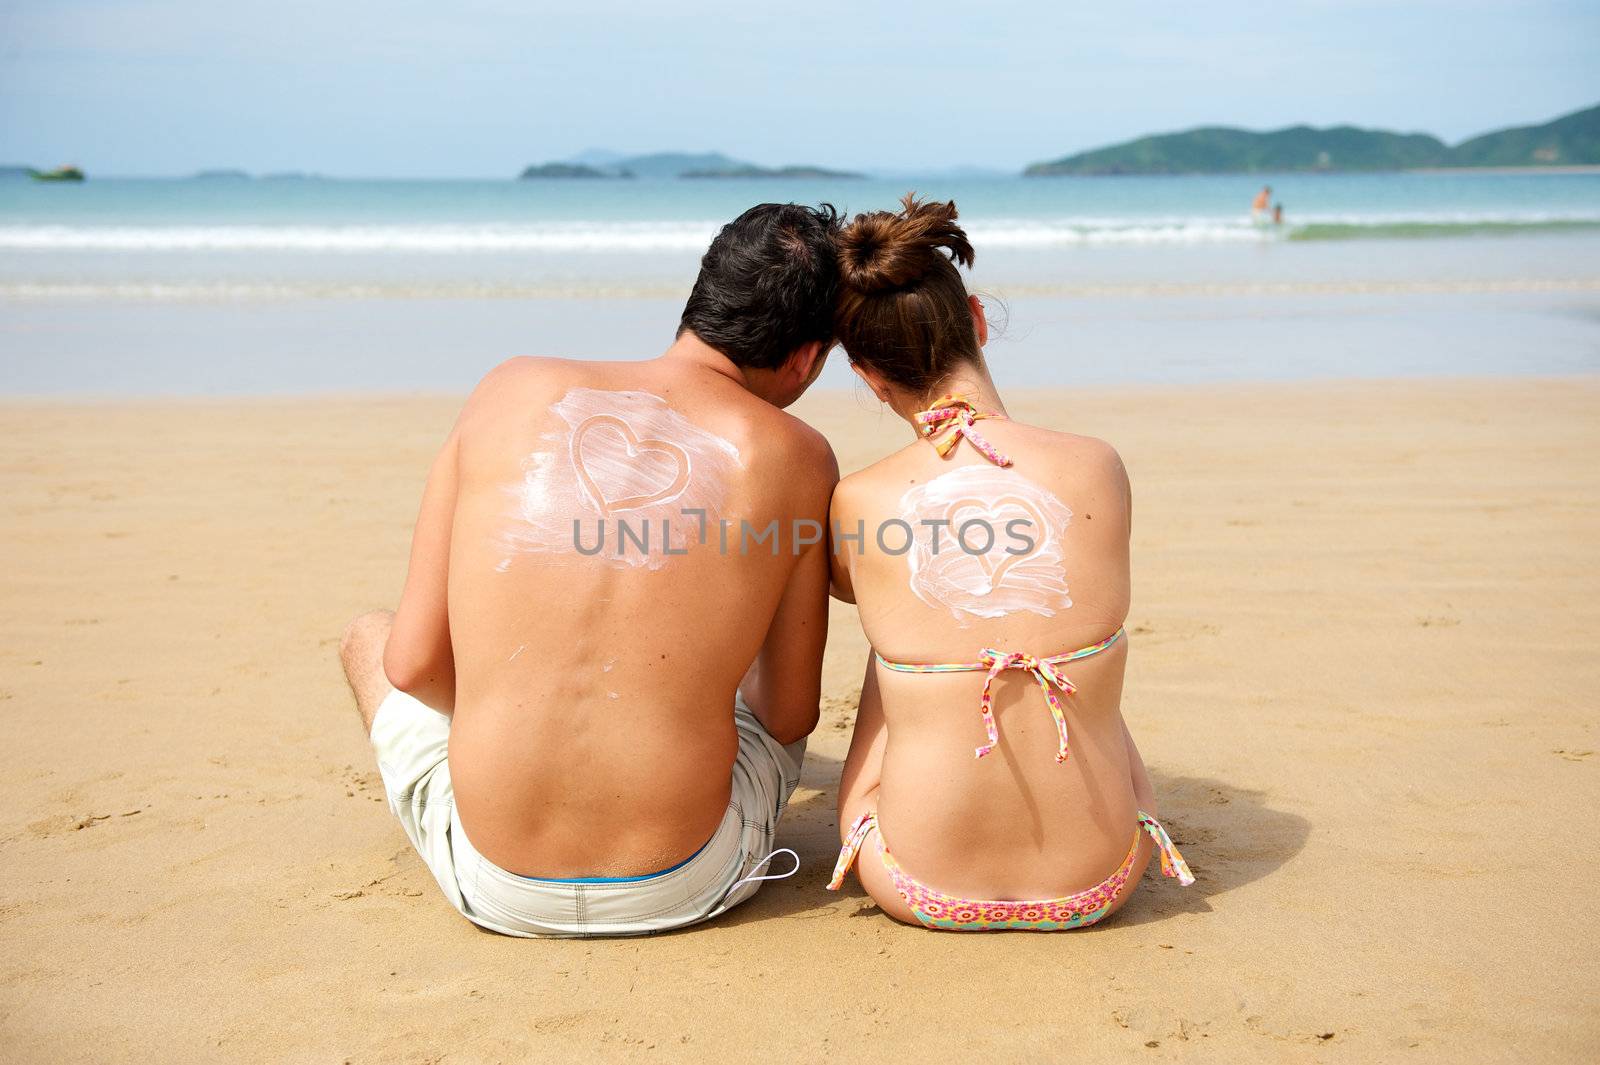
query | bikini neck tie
[947, 421]
[1050, 680]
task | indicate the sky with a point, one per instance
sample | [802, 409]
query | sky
[482, 88]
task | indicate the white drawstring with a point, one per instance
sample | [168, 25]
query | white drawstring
[751, 879]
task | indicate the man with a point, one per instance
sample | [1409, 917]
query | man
[607, 653]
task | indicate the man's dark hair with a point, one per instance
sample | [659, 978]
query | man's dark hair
[767, 284]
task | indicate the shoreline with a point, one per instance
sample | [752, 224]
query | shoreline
[1479, 326]
[814, 397]
[178, 296]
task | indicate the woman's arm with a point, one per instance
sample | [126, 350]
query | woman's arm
[863, 766]
[1143, 792]
[839, 556]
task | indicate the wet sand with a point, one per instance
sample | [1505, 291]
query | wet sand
[1363, 675]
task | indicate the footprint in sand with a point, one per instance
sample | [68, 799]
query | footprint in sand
[1168, 632]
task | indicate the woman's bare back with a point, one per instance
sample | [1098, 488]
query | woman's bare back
[1042, 568]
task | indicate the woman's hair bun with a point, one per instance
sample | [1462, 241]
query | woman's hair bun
[886, 250]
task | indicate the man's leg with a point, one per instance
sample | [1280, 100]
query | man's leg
[412, 749]
[361, 651]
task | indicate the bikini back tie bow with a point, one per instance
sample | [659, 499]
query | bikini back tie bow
[1050, 678]
[953, 417]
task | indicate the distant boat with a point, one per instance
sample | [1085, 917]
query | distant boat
[60, 173]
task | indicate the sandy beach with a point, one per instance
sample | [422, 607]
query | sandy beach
[1363, 675]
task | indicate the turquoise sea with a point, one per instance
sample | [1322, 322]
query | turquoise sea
[121, 286]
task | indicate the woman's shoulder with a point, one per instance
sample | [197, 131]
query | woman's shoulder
[887, 478]
[1074, 454]
[1061, 440]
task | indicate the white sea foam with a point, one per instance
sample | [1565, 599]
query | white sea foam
[694, 235]
[443, 238]
[252, 292]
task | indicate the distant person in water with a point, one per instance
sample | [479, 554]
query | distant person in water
[583, 737]
[1258, 206]
[1277, 214]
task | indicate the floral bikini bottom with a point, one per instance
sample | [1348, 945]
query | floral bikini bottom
[935, 909]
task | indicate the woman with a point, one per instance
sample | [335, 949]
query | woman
[989, 559]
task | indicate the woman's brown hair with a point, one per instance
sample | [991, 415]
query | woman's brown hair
[902, 304]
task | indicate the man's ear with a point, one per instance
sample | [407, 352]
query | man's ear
[980, 321]
[804, 364]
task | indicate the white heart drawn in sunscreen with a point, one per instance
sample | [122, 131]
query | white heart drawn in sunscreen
[606, 450]
[986, 512]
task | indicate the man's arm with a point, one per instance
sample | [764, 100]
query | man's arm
[418, 658]
[784, 685]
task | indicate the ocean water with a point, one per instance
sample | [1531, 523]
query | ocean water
[286, 285]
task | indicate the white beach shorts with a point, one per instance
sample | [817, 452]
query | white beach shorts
[412, 741]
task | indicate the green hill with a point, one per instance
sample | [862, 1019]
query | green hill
[1221, 150]
[1572, 140]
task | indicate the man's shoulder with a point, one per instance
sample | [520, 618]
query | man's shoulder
[802, 440]
[509, 374]
[793, 449]
[520, 382]
[525, 369]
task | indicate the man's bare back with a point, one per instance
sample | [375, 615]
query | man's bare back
[592, 691]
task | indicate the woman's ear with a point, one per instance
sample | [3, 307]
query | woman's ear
[874, 381]
[979, 321]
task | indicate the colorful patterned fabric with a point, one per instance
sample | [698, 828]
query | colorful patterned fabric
[950, 419]
[1047, 671]
[935, 909]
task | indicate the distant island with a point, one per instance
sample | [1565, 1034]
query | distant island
[1573, 140]
[571, 170]
[60, 173]
[702, 165]
[802, 172]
